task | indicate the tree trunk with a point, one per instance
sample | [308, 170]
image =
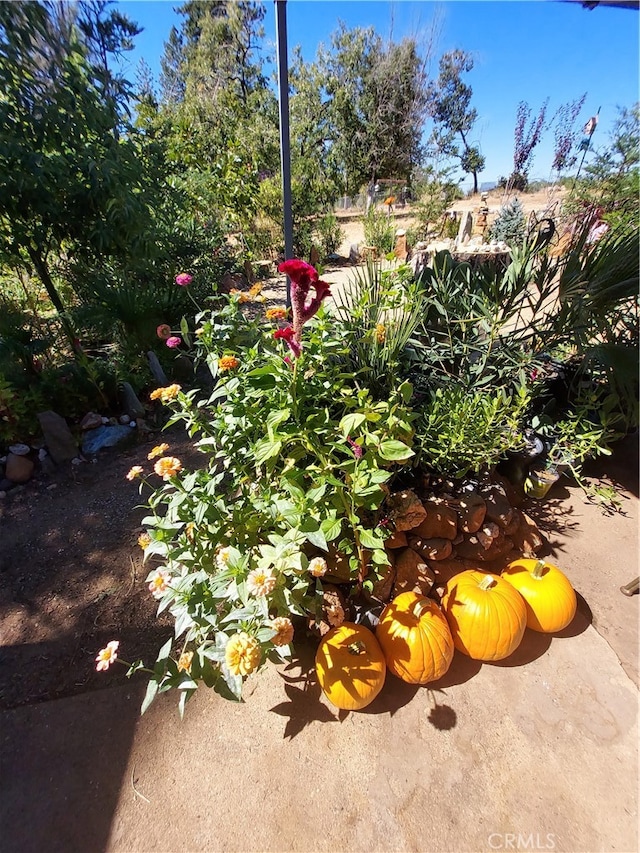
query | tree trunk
[475, 183]
[45, 277]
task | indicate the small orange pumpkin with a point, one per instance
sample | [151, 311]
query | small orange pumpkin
[487, 616]
[415, 638]
[350, 666]
[548, 596]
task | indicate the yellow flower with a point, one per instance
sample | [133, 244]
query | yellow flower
[107, 655]
[184, 662]
[158, 582]
[222, 557]
[189, 531]
[242, 654]
[167, 467]
[255, 289]
[380, 333]
[135, 472]
[227, 362]
[158, 450]
[261, 582]
[165, 395]
[278, 313]
[144, 540]
[318, 567]
[284, 630]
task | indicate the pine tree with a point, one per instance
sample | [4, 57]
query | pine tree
[511, 225]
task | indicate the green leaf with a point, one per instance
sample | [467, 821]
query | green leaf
[149, 696]
[266, 449]
[331, 527]
[371, 540]
[351, 422]
[394, 451]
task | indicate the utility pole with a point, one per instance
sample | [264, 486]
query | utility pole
[285, 148]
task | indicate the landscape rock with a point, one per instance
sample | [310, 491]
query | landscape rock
[487, 533]
[471, 510]
[383, 586]
[60, 442]
[514, 496]
[130, 403]
[441, 521]
[412, 573]
[20, 449]
[19, 469]
[527, 539]
[499, 509]
[5, 485]
[432, 549]
[337, 565]
[354, 253]
[90, 421]
[124, 419]
[444, 570]
[473, 549]
[156, 369]
[398, 539]
[406, 510]
[106, 436]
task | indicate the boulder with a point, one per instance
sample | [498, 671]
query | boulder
[473, 549]
[471, 510]
[383, 586]
[130, 403]
[106, 436]
[90, 421]
[499, 509]
[60, 442]
[431, 549]
[412, 573]
[337, 565]
[156, 370]
[441, 521]
[527, 539]
[398, 539]
[19, 469]
[406, 510]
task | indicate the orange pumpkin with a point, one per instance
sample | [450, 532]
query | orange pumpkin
[415, 638]
[549, 597]
[486, 615]
[350, 666]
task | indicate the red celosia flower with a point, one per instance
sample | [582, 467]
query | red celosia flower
[288, 334]
[300, 272]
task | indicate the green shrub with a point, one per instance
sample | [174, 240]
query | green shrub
[379, 230]
[329, 233]
[510, 225]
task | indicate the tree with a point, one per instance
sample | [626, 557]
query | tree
[525, 140]
[566, 134]
[449, 101]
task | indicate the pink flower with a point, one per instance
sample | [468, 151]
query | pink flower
[303, 276]
[107, 655]
[184, 279]
[163, 332]
[288, 334]
[300, 272]
[173, 342]
[356, 448]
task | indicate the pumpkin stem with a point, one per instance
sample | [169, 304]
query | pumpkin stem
[538, 569]
[356, 648]
[487, 582]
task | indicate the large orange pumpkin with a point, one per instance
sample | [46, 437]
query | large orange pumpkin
[415, 638]
[487, 616]
[549, 597]
[350, 666]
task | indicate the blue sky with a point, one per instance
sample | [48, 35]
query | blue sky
[523, 50]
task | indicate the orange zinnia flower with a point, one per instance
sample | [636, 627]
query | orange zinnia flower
[380, 333]
[184, 662]
[261, 582]
[318, 567]
[167, 467]
[165, 395]
[135, 472]
[144, 540]
[279, 313]
[284, 630]
[107, 656]
[158, 450]
[227, 362]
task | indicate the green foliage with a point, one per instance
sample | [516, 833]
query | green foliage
[435, 192]
[298, 457]
[510, 225]
[329, 233]
[379, 230]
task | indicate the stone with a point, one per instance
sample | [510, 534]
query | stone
[465, 229]
[337, 565]
[314, 257]
[383, 586]
[47, 465]
[400, 248]
[471, 510]
[105, 421]
[412, 573]
[398, 539]
[354, 253]
[248, 271]
[124, 419]
[527, 539]
[6, 485]
[60, 442]
[90, 421]
[473, 549]
[19, 469]
[499, 509]
[2, 495]
[156, 370]
[20, 449]
[432, 549]
[487, 533]
[405, 510]
[130, 403]
[106, 436]
[444, 570]
[441, 521]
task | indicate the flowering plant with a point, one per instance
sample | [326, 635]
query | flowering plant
[298, 457]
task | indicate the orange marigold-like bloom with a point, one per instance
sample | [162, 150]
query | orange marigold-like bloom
[278, 313]
[380, 333]
[158, 582]
[144, 540]
[318, 567]
[158, 450]
[135, 472]
[165, 395]
[261, 582]
[228, 362]
[107, 656]
[255, 289]
[184, 661]
[167, 467]
[284, 630]
[242, 654]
